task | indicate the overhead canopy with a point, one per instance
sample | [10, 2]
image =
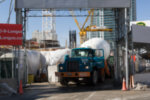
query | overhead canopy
[72, 4]
[141, 34]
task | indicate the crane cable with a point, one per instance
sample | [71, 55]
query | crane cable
[10, 11]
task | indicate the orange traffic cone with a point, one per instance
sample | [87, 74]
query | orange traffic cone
[124, 85]
[20, 88]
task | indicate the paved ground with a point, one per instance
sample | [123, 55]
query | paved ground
[44, 91]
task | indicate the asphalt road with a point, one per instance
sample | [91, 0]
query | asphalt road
[103, 91]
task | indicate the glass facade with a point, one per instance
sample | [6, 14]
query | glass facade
[133, 10]
[106, 18]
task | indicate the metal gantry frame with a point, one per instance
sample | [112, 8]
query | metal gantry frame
[122, 22]
[122, 29]
[21, 18]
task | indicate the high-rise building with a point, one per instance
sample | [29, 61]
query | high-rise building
[133, 10]
[48, 25]
[72, 39]
[106, 18]
[48, 36]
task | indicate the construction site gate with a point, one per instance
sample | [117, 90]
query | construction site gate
[122, 19]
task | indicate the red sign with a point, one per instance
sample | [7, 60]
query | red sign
[10, 34]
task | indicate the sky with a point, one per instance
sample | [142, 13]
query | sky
[64, 24]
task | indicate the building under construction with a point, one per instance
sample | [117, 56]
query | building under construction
[47, 38]
[37, 40]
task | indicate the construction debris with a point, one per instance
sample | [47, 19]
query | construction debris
[5, 89]
[141, 87]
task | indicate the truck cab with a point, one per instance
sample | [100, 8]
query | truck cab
[83, 64]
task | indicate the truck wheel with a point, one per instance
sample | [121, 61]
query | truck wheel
[63, 82]
[94, 77]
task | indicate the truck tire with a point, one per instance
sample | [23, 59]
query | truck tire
[94, 77]
[63, 82]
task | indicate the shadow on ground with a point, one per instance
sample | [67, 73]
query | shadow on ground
[40, 90]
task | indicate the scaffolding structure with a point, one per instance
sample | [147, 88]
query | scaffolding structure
[48, 25]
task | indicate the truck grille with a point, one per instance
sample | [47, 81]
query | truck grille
[73, 66]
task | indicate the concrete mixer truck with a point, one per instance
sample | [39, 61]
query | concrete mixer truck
[84, 65]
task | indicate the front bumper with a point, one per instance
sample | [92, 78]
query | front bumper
[73, 74]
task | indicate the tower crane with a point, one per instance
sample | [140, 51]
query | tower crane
[91, 28]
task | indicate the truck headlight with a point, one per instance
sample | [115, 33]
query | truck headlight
[86, 67]
[61, 68]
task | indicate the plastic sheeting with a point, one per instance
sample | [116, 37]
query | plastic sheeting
[35, 61]
[55, 57]
[51, 74]
[98, 43]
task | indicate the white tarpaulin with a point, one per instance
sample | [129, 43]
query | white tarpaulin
[35, 62]
[51, 74]
[55, 57]
[72, 4]
[98, 43]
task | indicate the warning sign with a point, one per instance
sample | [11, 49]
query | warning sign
[10, 34]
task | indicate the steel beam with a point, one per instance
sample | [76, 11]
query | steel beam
[72, 4]
[126, 49]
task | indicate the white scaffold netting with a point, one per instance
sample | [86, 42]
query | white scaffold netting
[35, 61]
[55, 57]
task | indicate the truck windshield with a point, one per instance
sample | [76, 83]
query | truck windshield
[82, 53]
